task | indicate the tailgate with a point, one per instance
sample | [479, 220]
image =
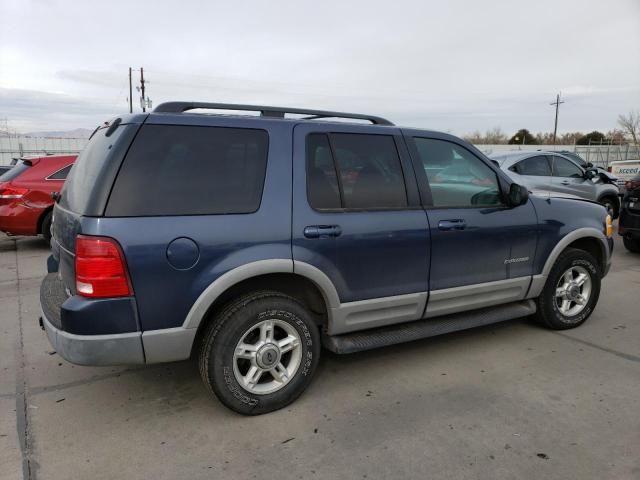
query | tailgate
[66, 225]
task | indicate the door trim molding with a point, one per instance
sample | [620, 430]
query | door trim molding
[471, 297]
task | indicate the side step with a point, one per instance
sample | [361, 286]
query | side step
[406, 332]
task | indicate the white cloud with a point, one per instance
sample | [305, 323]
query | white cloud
[457, 65]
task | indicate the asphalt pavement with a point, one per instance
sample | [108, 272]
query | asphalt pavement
[506, 401]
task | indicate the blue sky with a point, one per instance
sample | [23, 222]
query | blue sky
[455, 66]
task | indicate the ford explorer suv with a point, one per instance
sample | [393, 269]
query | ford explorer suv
[250, 242]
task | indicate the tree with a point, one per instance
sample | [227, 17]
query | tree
[495, 136]
[523, 137]
[569, 138]
[630, 123]
[591, 138]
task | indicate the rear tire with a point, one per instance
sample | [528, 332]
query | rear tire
[260, 352]
[631, 244]
[46, 228]
[571, 292]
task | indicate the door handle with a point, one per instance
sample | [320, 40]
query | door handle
[565, 182]
[456, 224]
[322, 231]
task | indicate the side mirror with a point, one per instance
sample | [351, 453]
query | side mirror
[590, 173]
[518, 195]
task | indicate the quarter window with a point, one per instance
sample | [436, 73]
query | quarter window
[354, 171]
[457, 178]
[61, 174]
[189, 170]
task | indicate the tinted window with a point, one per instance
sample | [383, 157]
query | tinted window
[322, 182]
[576, 158]
[370, 175]
[13, 172]
[83, 179]
[61, 174]
[185, 170]
[564, 168]
[370, 172]
[457, 178]
[537, 166]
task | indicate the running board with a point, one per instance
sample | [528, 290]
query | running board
[406, 332]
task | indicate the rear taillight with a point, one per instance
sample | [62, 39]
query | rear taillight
[9, 192]
[609, 169]
[101, 270]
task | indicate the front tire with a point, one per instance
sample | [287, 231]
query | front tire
[571, 292]
[260, 352]
[631, 244]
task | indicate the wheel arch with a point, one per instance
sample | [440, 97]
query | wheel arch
[299, 280]
[41, 218]
[588, 239]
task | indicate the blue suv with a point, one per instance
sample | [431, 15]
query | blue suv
[250, 241]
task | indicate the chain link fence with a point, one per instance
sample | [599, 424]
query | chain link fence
[23, 146]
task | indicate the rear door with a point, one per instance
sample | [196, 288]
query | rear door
[535, 172]
[357, 218]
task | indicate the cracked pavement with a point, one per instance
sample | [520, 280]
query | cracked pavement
[506, 401]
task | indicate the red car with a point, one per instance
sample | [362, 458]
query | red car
[25, 194]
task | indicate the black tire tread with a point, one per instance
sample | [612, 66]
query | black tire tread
[218, 321]
[631, 244]
[541, 301]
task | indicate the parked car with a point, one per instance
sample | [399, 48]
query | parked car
[629, 223]
[605, 175]
[624, 171]
[554, 172]
[26, 202]
[237, 239]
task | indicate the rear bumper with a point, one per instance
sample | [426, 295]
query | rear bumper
[18, 219]
[89, 332]
[115, 349]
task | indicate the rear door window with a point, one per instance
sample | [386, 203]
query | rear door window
[191, 170]
[354, 172]
[537, 166]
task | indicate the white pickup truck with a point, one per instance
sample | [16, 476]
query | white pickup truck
[624, 171]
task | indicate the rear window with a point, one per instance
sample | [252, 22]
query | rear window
[84, 177]
[14, 172]
[191, 170]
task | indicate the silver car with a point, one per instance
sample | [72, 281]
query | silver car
[558, 173]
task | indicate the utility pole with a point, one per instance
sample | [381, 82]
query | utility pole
[555, 128]
[130, 93]
[144, 100]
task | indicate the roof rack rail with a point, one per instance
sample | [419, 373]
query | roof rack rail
[265, 111]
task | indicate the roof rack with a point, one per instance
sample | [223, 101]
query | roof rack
[275, 112]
